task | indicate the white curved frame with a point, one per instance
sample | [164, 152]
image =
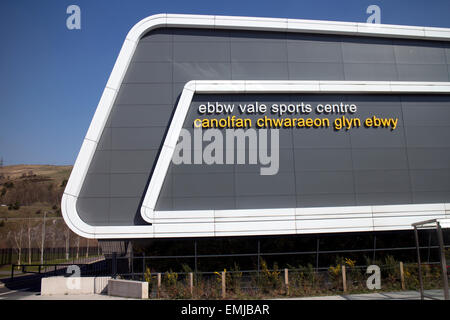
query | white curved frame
[246, 222]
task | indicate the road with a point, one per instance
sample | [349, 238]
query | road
[8, 294]
[26, 286]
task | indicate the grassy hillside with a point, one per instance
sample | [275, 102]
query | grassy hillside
[26, 193]
[30, 190]
[54, 172]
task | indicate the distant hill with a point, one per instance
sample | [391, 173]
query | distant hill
[26, 190]
[28, 193]
[53, 172]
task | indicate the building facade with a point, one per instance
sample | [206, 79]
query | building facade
[380, 166]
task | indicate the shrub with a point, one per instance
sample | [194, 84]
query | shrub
[349, 262]
[186, 268]
[270, 278]
[306, 281]
[15, 206]
[175, 289]
[9, 185]
[171, 278]
[148, 277]
[234, 278]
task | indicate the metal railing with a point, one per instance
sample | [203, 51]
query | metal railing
[11, 255]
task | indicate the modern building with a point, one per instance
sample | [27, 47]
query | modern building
[381, 163]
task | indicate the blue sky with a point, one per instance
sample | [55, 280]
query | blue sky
[51, 78]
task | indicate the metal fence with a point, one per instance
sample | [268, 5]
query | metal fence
[51, 255]
[185, 279]
[246, 271]
[293, 282]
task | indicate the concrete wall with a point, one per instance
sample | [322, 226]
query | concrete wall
[73, 285]
[128, 289]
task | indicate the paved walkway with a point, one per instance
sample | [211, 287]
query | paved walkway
[25, 295]
[401, 295]
[404, 295]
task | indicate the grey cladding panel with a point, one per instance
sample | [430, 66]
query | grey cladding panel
[141, 115]
[326, 200]
[429, 158]
[385, 198]
[264, 202]
[422, 72]
[370, 71]
[308, 182]
[314, 51]
[380, 158]
[321, 138]
[149, 72]
[184, 185]
[203, 203]
[137, 138]
[199, 52]
[95, 210]
[135, 161]
[318, 159]
[368, 51]
[127, 185]
[374, 181]
[316, 71]
[252, 184]
[412, 52]
[139, 93]
[318, 167]
[259, 70]
[430, 180]
[186, 71]
[258, 51]
[154, 52]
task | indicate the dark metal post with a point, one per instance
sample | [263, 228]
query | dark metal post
[114, 265]
[259, 252]
[374, 248]
[317, 254]
[195, 258]
[429, 245]
[132, 264]
[443, 260]
[143, 266]
[12, 270]
[416, 236]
